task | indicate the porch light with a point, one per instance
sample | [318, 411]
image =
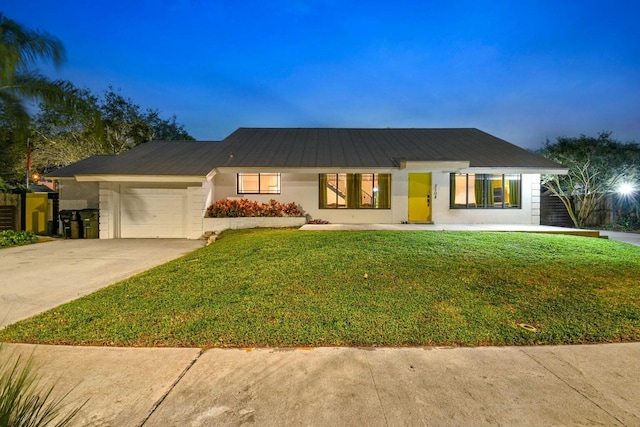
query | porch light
[375, 189]
[625, 188]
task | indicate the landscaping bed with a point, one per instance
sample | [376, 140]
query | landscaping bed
[363, 288]
[9, 238]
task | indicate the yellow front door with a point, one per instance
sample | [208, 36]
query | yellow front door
[420, 197]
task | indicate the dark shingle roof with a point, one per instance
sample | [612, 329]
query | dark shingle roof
[364, 148]
[312, 147]
[151, 158]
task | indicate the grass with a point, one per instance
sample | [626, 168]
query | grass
[292, 288]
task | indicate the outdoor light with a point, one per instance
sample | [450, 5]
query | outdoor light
[625, 188]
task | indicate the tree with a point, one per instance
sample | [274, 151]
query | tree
[596, 167]
[12, 156]
[59, 138]
[127, 126]
[21, 49]
[69, 125]
[124, 123]
[166, 129]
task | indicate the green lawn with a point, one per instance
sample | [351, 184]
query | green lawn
[294, 288]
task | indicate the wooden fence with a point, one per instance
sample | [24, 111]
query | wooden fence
[10, 211]
[553, 211]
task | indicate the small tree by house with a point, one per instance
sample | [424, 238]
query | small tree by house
[597, 166]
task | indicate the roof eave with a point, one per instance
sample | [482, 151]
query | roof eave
[447, 165]
[138, 178]
[516, 169]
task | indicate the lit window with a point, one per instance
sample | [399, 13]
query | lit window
[258, 183]
[485, 191]
[355, 191]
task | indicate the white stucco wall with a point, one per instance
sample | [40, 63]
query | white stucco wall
[109, 217]
[77, 195]
[302, 188]
[443, 214]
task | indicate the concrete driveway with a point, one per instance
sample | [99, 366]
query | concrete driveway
[38, 277]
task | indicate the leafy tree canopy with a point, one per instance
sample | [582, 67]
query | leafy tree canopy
[597, 166]
[127, 125]
[59, 137]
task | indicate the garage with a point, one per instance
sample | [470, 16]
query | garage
[152, 212]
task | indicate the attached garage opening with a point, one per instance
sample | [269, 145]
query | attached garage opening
[152, 212]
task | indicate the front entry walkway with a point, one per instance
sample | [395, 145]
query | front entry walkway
[631, 238]
[524, 228]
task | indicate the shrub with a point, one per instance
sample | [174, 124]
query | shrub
[244, 208]
[24, 403]
[15, 238]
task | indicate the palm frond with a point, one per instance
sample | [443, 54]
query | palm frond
[21, 48]
[59, 93]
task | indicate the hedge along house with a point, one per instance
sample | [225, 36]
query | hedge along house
[454, 176]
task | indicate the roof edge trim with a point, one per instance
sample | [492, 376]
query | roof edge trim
[515, 169]
[140, 178]
[434, 164]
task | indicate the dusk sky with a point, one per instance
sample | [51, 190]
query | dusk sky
[524, 71]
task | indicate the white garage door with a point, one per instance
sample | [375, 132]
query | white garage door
[152, 212]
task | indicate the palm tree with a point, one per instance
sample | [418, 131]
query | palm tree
[21, 49]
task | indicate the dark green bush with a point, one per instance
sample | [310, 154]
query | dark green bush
[16, 238]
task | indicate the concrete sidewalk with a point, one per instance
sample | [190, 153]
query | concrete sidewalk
[631, 238]
[564, 385]
[38, 277]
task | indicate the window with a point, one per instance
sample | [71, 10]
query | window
[485, 191]
[355, 191]
[258, 183]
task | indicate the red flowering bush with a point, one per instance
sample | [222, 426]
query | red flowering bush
[241, 208]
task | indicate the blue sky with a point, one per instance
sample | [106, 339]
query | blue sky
[522, 70]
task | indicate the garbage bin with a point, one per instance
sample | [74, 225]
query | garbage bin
[76, 225]
[90, 223]
[65, 218]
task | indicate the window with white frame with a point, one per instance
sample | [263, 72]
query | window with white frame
[258, 183]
